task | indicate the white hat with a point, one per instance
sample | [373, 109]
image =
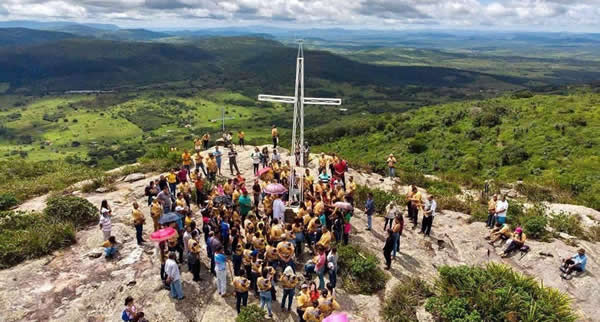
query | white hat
[288, 271]
[179, 208]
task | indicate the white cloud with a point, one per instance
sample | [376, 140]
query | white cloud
[565, 14]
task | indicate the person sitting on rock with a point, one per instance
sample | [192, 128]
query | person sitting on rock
[110, 247]
[502, 231]
[517, 242]
[573, 264]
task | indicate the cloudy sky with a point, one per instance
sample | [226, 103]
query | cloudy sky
[550, 15]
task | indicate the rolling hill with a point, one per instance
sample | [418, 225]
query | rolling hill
[250, 63]
[24, 36]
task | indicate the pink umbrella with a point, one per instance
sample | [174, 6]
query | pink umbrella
[343, 205]
[275, 189]
[263, 171]
[337, 317]
[163, 234]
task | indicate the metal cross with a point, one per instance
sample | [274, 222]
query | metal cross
[298, 128]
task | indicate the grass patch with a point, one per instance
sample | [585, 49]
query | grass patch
[567, 223]
[7, 201]
[251, 313]
[30, 235]
[406, 296]
[493, 293]
[359, 270]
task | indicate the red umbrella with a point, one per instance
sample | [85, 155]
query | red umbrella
[263, 171]
[275, 189]
[343, 205]
[163, 234]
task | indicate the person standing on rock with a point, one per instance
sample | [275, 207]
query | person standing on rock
[186, 160]
[241, 285]
[388, 248]
[174, 277]
[501, 210]
[428, 216]
[256, 158]
[105, 221]
[391, 162]
[221, 271]
[138, 222]
[491, 219]
[370, 210]
[218, 156]
[205, 140]
[274, 136]
[199, 162]
[232, 154]
[164, 198]
[241, 140]
[156, 210]
[415, 204]
[211, 168]
[397, 232]
[278, 209]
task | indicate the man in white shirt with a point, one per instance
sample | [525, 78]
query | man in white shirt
[501, 210]
[430, 208]
[174, 277]
[276, 156]
[256, 157]
[278, 209]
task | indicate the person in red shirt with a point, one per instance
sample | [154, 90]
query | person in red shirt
[340, 170]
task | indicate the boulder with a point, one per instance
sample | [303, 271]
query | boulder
[102, 190]
[134, 177]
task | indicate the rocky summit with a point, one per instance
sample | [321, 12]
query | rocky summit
[78, 284]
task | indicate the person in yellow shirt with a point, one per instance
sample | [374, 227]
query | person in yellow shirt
[211, 168]
[138, 222]
[303, 301]
[327, 304]
[274, 136]
[186, 160]
[271, 255]
[309, 180]
[415, 205]
[285, 250]
[199, 161]
[319, 206]
[492, 211]
[156, 211]
[323, 163]
[326, 237]
[276, 231]
[259, 242]
[172, 180]
[312, 313]
[518, 241]
[241, 138]
[197, 144]
[264, 289]
[391, 163]
[241, 285]
[228, 187]
[289, 280]
[205, 140]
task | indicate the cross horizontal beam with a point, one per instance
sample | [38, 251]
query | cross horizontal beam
[277, 98]
[306, 100]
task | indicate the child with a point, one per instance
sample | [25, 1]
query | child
[110, 247]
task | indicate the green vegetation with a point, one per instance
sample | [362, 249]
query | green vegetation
[7, 201]
[567, 223]
[495, 292]
[381, 198]
[359, 271]
[72, 209]
[30, 235]
[406, 296]
[547, 141]
[251, 313]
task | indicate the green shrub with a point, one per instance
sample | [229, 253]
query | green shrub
[381, 198]
[567, 223]
[593, 233]
[7, 201]
[72, 209]
[359, 272]
[453, 204]
[30, 235]
[535, 226]
[251, 313]
[405, 297]
[494, 293]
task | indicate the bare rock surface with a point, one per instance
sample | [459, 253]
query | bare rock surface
[75, 284]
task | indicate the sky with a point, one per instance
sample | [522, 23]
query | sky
[525, 15]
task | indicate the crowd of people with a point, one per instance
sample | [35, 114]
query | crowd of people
[256, 244]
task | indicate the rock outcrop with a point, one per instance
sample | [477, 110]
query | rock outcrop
[78, 284]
